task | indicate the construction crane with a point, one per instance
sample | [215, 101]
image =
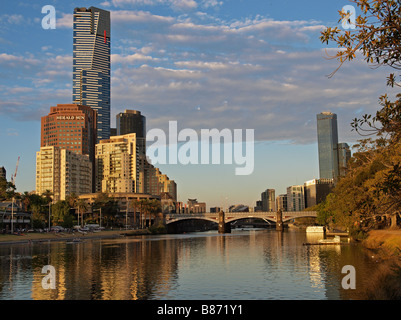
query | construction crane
[15, 173]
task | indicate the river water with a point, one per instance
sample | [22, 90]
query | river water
[243, 265]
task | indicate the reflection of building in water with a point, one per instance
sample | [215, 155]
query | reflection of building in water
[90, 271]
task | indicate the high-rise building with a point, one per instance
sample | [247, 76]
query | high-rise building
[317, 190]
[344, 154]
[268, 198]
[116, 164]
[281, 202]
[295, 198]
[131, 121]
[70, 126]
[91, 64]
[327, 134]
[153, 181]
[62, 172]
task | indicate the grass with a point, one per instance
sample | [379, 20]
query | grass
[386, 280]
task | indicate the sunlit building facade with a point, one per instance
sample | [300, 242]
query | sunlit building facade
[295, 198]
[327, 134]
[116, 164]
[62, 172]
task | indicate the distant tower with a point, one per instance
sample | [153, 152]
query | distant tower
[327, 134]
[131, 121]
[344, 154]
[91, 64]
[268, 198]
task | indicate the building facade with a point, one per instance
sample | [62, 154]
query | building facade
[268, 198]
[70, 126]
[317, 190]
[295, 198]
[281, 203]
[116, 165]
[153, 181]
[327, 134]
[131, 121]
[62, 172]
[91, 64]
[193, 206]
[344, 155]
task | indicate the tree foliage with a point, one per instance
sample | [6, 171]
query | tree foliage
[372, 188]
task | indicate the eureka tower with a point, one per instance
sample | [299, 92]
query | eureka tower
[91, 64]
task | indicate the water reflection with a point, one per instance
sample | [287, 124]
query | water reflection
[241, 265]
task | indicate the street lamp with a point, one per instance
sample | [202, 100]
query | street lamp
[12, 216]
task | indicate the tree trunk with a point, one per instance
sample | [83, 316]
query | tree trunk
[394, 218]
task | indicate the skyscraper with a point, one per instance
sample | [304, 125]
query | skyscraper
[70, 126]
[327, 134]
[344, 154]
[116, 164]
[91, 64]
[131, 121]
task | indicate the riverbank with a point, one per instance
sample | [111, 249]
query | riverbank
[386, 243]
[385, 248]
[62, 236]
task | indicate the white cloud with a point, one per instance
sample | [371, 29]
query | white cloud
[66, 21]
[12, 18]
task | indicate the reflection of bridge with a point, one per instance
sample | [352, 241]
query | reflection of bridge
[232, 216]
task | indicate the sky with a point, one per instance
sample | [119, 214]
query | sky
[206, 64]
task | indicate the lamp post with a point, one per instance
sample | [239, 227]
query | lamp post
[12, 216]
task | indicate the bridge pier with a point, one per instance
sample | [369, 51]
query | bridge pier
[279, 221]
[223, 226]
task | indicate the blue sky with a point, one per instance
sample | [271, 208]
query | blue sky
[237, 64]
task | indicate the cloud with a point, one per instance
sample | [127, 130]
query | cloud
[175, 4]
[12, 19]
[66, 21]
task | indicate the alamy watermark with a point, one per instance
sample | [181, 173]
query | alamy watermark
[349, 281]
[349, 19]
[196, 149]
[49, 20]
[49, 280]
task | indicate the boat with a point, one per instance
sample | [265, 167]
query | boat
[336, 240]
[315, 229]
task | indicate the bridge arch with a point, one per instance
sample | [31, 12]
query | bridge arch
[233, 216]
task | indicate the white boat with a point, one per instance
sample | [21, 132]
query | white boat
[315, 229]
[336, 240]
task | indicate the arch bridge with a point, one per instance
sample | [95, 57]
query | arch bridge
[232, 216]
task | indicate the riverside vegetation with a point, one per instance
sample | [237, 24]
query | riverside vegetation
[369, 196]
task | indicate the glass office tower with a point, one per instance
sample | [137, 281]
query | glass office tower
[91, 64]
[327, 134]
[131, 121]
